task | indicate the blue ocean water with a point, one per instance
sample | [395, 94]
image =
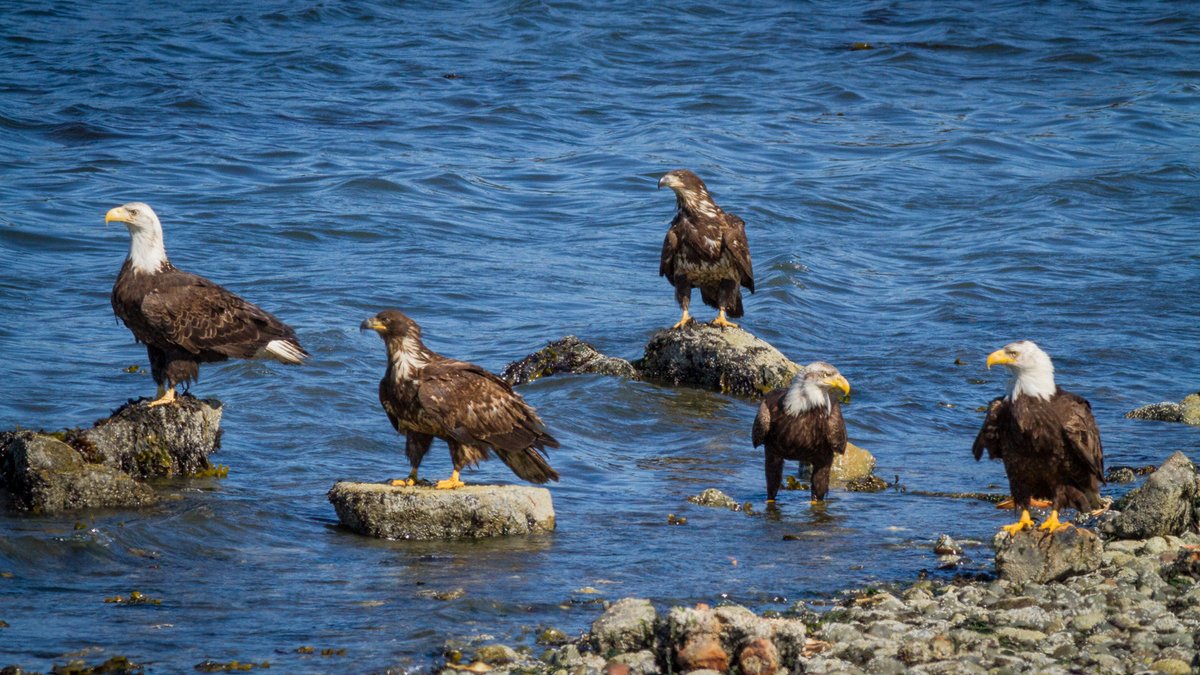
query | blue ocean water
[979, 174]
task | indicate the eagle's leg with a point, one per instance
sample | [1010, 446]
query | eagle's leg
[451, 482]
[164, 399]
[1023, 523]
[684, 320]
[1052, 524]
[722, 322]
[403, 482]
[1010, 504]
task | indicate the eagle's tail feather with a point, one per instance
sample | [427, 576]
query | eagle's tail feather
[528, 464]
[736, 310]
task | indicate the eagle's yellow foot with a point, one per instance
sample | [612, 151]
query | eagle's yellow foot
[1024, 522]
[168, 397]
[722, 322]
[683, 321]
[1052, 523]
[405, 482]
[450, 483]
[1010, 504]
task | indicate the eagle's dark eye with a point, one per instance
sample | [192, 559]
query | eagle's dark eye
[133, 212]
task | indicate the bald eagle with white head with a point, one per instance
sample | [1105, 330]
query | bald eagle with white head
[705, 248]
[428, 396]
[183, 319]
[803, 422]
[1046, 437]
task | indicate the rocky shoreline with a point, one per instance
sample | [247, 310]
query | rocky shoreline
[1130, 604]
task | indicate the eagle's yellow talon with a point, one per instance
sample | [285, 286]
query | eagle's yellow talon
[722, 322]
[685, 320]
[451, 482]
[1023, 523]
[167, 397]
[405, 482]
[1052, 524]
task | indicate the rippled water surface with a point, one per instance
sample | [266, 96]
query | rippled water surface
[980, 174]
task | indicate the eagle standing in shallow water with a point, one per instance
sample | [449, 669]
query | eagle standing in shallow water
[705, 247]
[183, 319]
[803, 422]
[427, 396]
[1046, 436]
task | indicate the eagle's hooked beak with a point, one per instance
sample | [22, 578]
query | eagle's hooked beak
[372, 324]
[661, 182]
[117, 213]
[838, 382]
[999, 358]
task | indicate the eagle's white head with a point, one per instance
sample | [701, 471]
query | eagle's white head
[146, 251]
[813, 387]
[1032, 371]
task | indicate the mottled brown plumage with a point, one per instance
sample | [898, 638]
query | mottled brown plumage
[1046, 436]
[184, 319]
[705, 248]
[427, 396]
[803, 422]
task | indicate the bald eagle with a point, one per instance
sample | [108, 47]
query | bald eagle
[183, 319]
[1046, 437]
[803, 422]
[706, 248]
[427, 396]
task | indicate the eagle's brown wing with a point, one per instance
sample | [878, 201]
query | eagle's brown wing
[666, 264]
[480, 410]
[197, 315]
[989, 433]
[734, 235]
[762, 421]
[1080, 432]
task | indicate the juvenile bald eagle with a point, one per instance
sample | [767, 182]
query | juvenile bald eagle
[803, 422]
[183, 319]
[706, 248]
[427, 396]
[1045, 435]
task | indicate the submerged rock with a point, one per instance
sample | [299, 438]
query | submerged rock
[715, 498]
[728, 360]
[1041, 557]
[1186, 411]
[100, 467]
[1167, 503]
[388, 512]
[568, 355]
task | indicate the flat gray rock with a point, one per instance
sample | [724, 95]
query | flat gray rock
[1041, 557]
[728, 360]
[387, 512]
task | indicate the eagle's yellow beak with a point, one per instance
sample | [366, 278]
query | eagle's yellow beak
[999, 358]
[837, 382]
[373, 324]
[118, 214]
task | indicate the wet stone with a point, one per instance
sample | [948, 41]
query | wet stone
[1034, 556]
[568, 355]
[728, 360]
[628, 625]
[1164, 504]
[474, 511]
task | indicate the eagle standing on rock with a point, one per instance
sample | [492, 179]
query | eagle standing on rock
[1046, 436]
[803, 422]
[427, 396]
[706, 248]
[183, 319]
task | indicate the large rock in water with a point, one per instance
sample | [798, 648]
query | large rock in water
[1042, 557]
[1186, 411]
[729, 360]
[568, 355]
[100, 467]
[1166, 504]
[388, 512]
